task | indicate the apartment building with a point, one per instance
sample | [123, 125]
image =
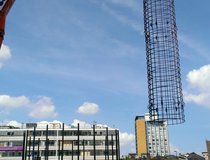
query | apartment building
[37, 141]
[151, 137]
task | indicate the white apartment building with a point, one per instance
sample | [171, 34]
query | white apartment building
[153, 137]
[53, 141]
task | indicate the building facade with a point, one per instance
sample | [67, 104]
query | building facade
[151, 137]
[51, 141]
[208, 148]
[205, 155]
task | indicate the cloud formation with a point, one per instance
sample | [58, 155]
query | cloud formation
[201, 98]
[5, 54]
[126, 138]
[198, 80]
[82, 124]
[88, 108]
[13, 102]
[43, 108]
[13, 123]
[127, 142]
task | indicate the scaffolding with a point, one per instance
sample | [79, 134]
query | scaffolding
[163, 64]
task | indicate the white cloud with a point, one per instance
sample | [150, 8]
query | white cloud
[47, 122]
[198, 80]
[127, 142]
[82, 124]
[201, 99]
[88, 108]
[126, 138]
[44, 108]
[5, 54]
[8, 101]
[14, 123]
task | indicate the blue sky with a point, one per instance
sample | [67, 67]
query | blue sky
[85, 60]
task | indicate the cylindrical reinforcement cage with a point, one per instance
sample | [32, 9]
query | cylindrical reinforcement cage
[163, 64]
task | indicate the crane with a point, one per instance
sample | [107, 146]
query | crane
[5, 6]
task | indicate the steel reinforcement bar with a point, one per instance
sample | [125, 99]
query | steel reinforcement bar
[163, 64]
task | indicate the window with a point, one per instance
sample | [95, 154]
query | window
[53, 133]
[17, 143]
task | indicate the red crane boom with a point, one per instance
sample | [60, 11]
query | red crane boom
[5, 6]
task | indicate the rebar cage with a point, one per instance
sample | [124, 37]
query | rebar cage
[163, 64]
